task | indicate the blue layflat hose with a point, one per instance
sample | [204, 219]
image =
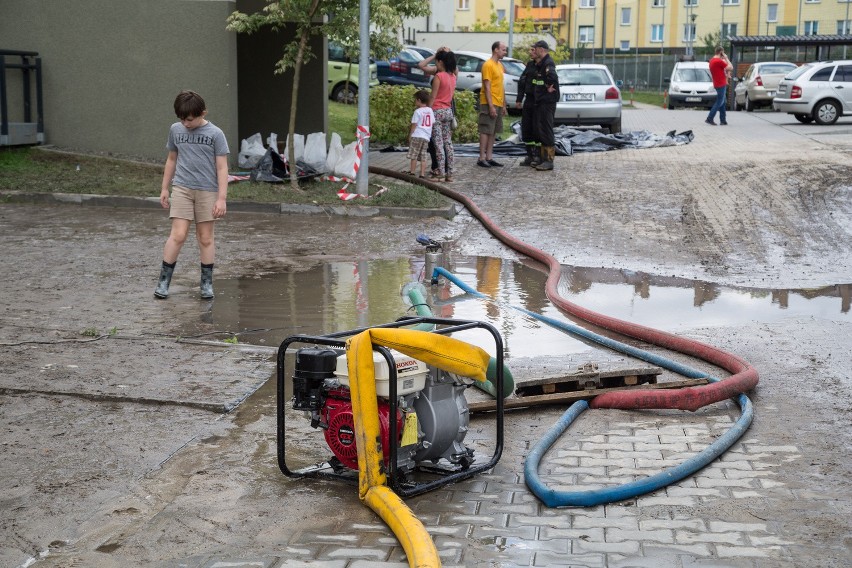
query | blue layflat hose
[590, 498]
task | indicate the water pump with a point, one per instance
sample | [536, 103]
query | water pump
[431, 412]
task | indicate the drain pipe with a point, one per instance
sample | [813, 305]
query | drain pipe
[743, 377]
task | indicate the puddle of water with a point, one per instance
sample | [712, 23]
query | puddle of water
[345, 295]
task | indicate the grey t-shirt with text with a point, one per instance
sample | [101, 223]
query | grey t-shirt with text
[196, 155]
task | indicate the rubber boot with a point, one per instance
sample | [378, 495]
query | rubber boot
[547, 155]
[536, 156]
[528, 161]
[206, 281]
[162, 290]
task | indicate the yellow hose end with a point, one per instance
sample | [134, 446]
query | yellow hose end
[444, 352]
[409, 531]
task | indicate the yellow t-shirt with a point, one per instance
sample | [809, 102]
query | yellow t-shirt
[493, 71]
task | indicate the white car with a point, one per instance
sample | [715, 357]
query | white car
[588, 95]
[691, 85]
[470, 74]
[816, 92]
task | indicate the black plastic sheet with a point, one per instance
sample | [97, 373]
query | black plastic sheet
[570, 140]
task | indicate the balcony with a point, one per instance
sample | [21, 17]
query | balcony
[555, 14]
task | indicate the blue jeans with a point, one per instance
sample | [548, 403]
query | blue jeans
[721, 99]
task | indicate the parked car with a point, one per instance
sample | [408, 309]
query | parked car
[691, 85]
[819, 92]
[470, 74]
[343, 77]
[757, 87]
[401, 69]
[588, 95]
[424, 51]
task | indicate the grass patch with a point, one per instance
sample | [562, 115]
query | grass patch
[647, 97]
[36, 170]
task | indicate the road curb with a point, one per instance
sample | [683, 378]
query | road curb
[86, 199]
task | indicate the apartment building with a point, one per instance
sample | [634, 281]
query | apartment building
[652, 25]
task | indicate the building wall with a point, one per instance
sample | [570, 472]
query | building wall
[605, 15]
[111, 71]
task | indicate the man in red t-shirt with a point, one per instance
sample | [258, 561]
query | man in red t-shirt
[720, 67]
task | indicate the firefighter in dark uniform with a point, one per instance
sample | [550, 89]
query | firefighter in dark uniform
[546, 89]
[526, 102]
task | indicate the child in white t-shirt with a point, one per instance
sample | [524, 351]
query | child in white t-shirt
[420, 133]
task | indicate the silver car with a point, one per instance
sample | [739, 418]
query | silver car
[759, 84]
[588, 95]
[817, 92]
[469, 64]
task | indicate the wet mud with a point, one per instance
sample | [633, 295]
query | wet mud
[130, 438]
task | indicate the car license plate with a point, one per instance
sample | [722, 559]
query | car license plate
[693, 99]
[577, 97]
[415, 71]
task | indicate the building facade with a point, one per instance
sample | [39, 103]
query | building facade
[652, 25]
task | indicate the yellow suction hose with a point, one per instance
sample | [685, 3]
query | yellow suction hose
[437, 350]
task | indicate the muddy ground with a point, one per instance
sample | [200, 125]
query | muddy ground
[134, 444]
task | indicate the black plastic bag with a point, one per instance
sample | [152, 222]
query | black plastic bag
[270, 168]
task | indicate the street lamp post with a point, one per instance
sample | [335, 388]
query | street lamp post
[692, 18]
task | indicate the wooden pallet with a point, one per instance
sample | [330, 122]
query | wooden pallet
[587, 382]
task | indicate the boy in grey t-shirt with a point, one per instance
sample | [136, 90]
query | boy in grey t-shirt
[197, 173]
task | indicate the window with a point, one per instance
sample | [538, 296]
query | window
[625, 45]
[823, 74]
[543, 3]
[688, 33]
[844, 73]
[811, 1]
[811, 27]
[730, 2]
[625, 16]
[464, 4]
[772, 12]
[658, 3]
[501, 15]
[657, 33]
[587, 3]
[587, 34]
[843, 27]
[690, 3]
[729, 30]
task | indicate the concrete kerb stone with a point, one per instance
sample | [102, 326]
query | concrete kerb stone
[86, 199]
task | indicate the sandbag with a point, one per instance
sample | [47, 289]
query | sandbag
[251, 151]
[315, 155]
[335, 151]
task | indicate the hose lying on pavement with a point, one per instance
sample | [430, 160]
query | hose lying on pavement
[590, 498]
[744, 377]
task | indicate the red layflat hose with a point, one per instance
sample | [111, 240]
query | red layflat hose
[744, 377]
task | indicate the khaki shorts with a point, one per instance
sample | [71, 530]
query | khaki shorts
[488, 125]
[192, 204]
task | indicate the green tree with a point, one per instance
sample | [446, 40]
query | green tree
[336, 19]
[560, 53]
[709, 43]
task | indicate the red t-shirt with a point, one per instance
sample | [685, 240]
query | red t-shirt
[717, 71]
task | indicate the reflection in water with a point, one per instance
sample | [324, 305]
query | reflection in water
[337, 296]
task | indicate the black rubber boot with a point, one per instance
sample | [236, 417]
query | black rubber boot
[162, 290]
[536, 156]
[547, 155]
[206, 281]
[528, 161]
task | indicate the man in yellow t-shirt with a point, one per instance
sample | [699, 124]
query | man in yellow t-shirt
[492, 106]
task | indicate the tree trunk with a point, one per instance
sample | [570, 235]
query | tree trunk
[297, 70]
